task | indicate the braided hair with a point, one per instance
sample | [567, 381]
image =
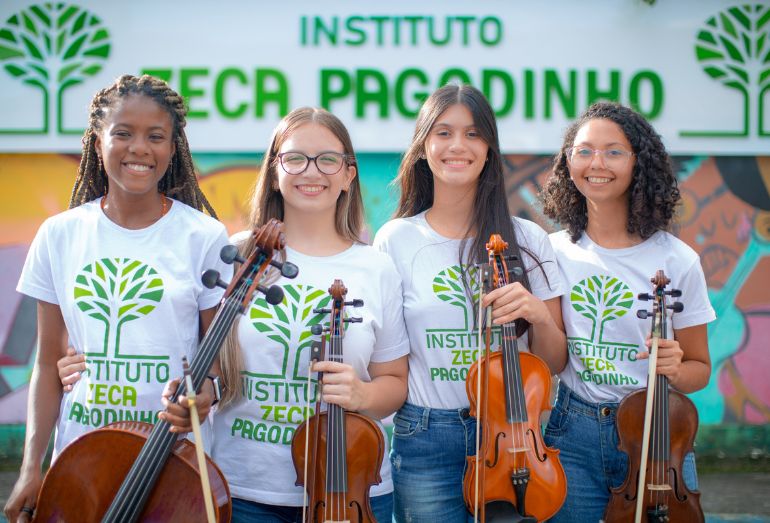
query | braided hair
[179, 181]
[653, 194]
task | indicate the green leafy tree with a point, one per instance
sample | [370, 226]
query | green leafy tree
[52, 47]
[283, 321]
[116, 291]
[601, 299]
[448, 286]
[733, 47]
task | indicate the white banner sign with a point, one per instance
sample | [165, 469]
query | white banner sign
[698, 69]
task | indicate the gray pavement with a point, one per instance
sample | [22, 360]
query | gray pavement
[725, 497]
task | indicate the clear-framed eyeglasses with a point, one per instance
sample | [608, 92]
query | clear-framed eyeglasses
[615, 157]
[328, 163]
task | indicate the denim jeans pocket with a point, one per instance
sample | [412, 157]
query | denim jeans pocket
[557, 425]
[403, 427]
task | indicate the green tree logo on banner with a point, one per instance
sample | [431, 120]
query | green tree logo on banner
[116, 291]
[52, 47]
[601, 299]
[448, 287]
[281, 323]
[733, 47]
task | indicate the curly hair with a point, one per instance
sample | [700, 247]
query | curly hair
[178, 182]
[653, 194]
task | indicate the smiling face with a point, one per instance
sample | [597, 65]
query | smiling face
[455, 150]
[312, 191]
[135, 144]
[595, 179]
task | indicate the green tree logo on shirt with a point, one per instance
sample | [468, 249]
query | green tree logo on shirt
[448, 286]
[116, 291]
[288, 324]
[601, 299]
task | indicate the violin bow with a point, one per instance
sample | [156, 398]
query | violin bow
[196, 426]
[651, 376]
[316, 354]
[484, 312]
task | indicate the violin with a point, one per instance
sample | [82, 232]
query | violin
[129, 471]
[514, 477]
[337, 454]
[654, 490]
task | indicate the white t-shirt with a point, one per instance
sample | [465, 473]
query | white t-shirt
[130, 301]
[604, 334]
[252, 439]
[439, 316]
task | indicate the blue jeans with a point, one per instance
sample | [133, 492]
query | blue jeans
[587, 437]
[249, 511]
[428, 463]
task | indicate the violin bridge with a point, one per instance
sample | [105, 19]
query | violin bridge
[655, 487]
[515, 450]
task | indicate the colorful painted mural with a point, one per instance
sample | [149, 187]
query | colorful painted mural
[725, 216]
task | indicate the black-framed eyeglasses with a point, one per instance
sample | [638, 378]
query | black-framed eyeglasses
[328, 163]
[582, 155]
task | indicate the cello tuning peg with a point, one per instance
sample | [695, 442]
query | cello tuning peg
[355, 303]
[288, 269]
[677, 306]
[273, 295]
[229, 253]
[644, 296]
[210, 279]
[674, 293]
[353, 320]
[322, 311]
[317, 329]
[643, 314]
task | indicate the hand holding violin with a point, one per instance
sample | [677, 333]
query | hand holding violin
[512, 302]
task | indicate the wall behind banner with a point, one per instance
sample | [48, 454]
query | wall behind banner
[725, 216]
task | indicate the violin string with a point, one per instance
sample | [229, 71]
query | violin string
[510, 354]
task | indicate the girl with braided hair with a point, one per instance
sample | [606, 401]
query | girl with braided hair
[615, 192]
[118, 275]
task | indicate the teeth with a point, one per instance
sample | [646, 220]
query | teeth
[310, 188]
[138, 167]
[456, 162]
[594, 179]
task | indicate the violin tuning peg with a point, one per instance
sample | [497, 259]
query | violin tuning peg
[210, 279]
[353, 320]
[229, 254]
[674, 293]
[677, 306]
[322, 311]
[644, 296]
[642, 314]
[317, 329]
[288, 269]
[273, 295]
[355, 303]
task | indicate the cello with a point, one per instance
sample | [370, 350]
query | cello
[132, 471]
[514, 477]
[654, 489]
[337, 454]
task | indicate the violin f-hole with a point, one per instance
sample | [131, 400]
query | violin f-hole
[497, 450]
[540, 458]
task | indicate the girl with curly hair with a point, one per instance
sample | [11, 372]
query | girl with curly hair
[614, 191]
[118, 275]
